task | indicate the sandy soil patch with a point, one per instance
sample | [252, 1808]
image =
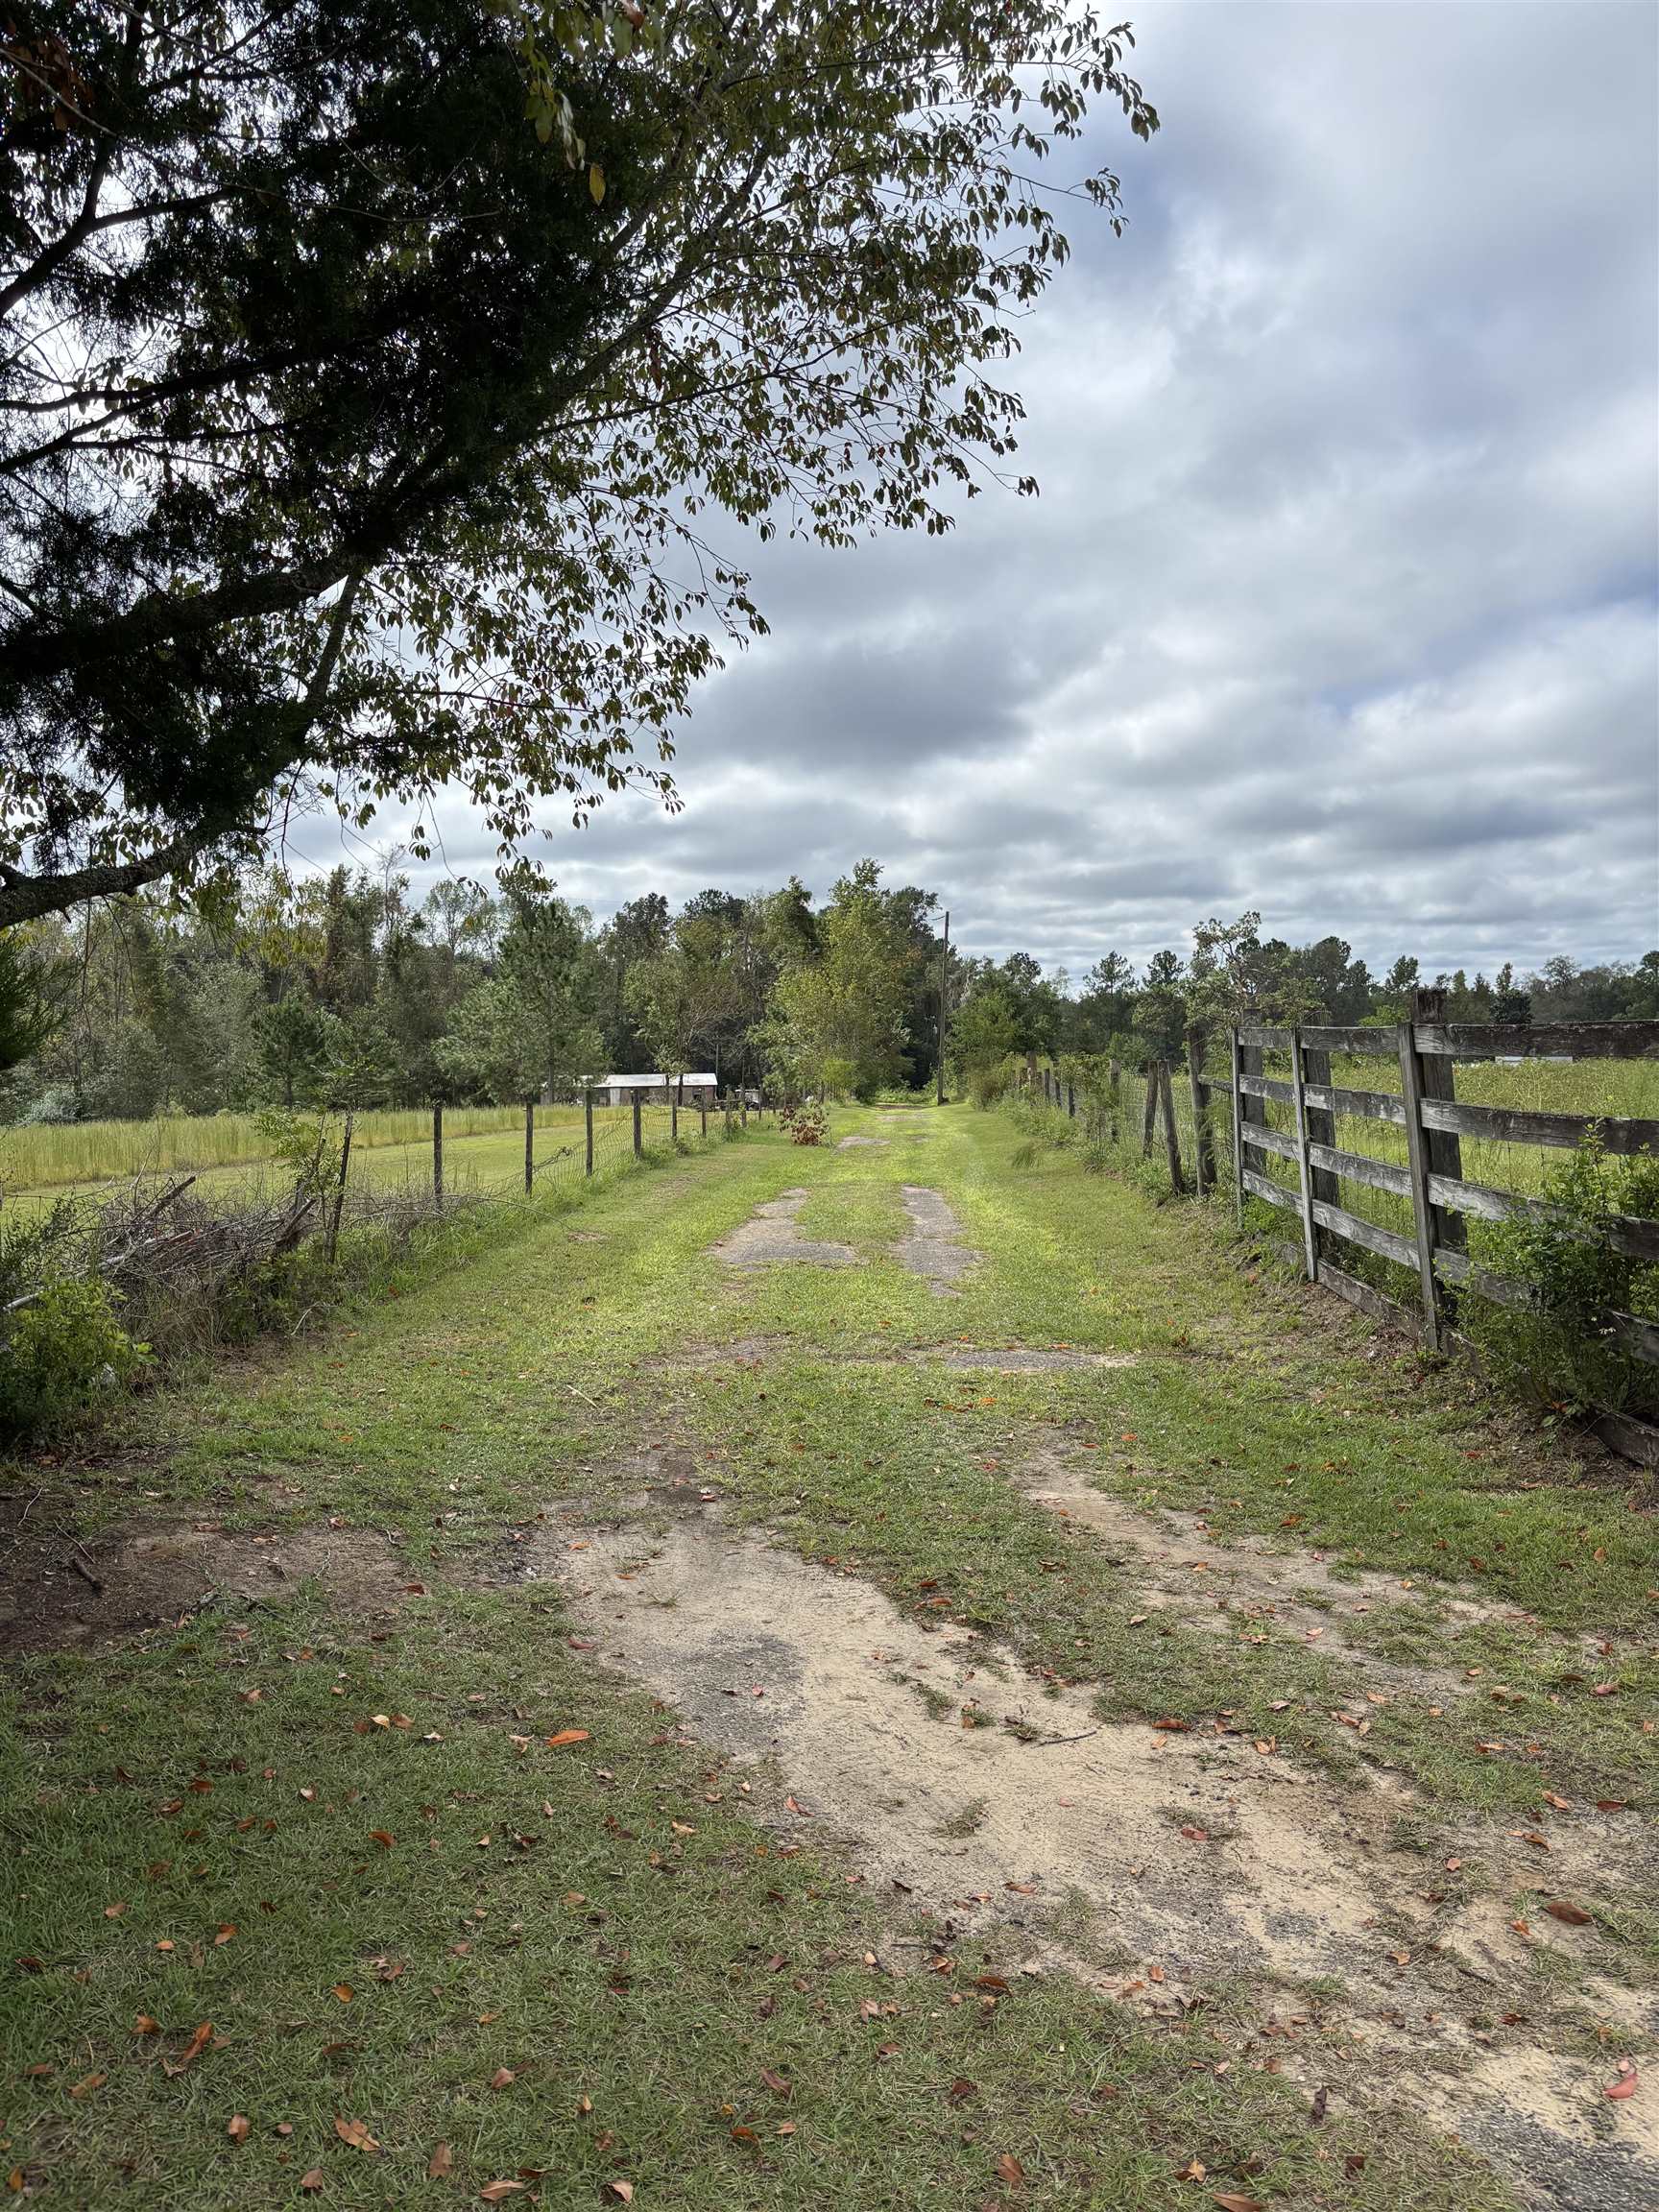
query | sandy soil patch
[1194, 1856]
[771, 1238]
[57, 1593]
[862, 1144]
[1188, 1570]
[931, 1247]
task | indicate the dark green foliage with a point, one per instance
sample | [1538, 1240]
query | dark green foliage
[1564, 1349]
[369, 366]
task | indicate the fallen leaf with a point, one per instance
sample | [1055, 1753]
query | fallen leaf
[380, 1836]
[619, 2192]
[441, 2163]
[238, 2127]
[1009, 2168]
[1562, 1909]
[1230, 2200]
[226, 1929]
[960, 2090]
[90, 2082]
[502, 2078]
[344, 1993]
[567, 1736]
[776, 2083]
[356, 2132]
[493, 2192]
[311, 2182]
[192, 2051]
[1624, 2086]
[144, 2025]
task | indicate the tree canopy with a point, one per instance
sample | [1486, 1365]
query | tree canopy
[373, 368]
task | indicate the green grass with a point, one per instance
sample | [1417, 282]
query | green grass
[525, 1374]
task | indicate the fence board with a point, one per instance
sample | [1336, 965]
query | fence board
[1505, 1125]
[1361, 1168]
[1378, 1044]
[1365, 1233]
[1558, 1040]
[1266, 1140]
[1304, 1174]
[1627, 1233]
[1265, 1040]
[1263, 1186]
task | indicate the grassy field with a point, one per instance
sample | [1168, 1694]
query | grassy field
[483, 1150]
[436, 1879]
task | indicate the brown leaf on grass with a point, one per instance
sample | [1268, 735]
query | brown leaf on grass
[776, 2083]
[312, 2182]
[144, 2025]
[114, 1912]
[238, 2127]
[619, 2192]
[380, 1836]
[1230, 2200]
[502, 2078]
[192, 2050]
[1009, 2169]
[566, 1735]
[1563, 1908]
[226, 1929]
[960, 2090]
[90, 2082]
[356, 2132]
[493, 2192]
[441, 2162]
[344, 1993]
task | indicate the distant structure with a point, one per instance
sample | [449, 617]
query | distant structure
[623, 1090]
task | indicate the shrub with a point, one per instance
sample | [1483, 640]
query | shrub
[1562, 1348]
[64, 1349]
[806, 1124]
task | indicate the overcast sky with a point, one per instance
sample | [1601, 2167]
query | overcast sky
[1339, 597]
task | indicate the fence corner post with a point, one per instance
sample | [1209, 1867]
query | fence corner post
[438, 1154]
[1171, 1141]
[639, 1140]
[588, 1118]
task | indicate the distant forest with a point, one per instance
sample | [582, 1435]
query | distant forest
[343, 990]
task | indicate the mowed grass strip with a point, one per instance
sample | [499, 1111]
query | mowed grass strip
[439, 1895]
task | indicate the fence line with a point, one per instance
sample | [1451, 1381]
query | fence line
[1334, 1190]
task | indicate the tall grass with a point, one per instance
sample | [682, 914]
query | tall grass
[81, 1153]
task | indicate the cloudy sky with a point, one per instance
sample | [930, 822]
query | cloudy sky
[1339, 597]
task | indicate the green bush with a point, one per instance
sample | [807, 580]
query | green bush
[62, 1350]
[1561, 1348]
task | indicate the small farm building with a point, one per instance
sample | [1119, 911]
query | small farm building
[623, 1090]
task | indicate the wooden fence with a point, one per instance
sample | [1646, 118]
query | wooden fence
[1426, 1050]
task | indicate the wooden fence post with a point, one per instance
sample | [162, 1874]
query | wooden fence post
[703, 1110]
[1070, 1101]
[1202, 1151]
[333, 1238]
[588, 1118]
[673, 1118]
[1172, 1143]
[438, 1154]
[638, 1143]
[1298, 1085]
[726, 1109]
[1252, 1111]
[1417, 1157]
[1326, 1187]
[1444, 1148]
[1114, 1088]
[743, 1107]
[1149, 1112]
[1237, 1059]
[529, 1142]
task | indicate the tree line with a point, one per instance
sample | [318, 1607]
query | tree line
[345, 991]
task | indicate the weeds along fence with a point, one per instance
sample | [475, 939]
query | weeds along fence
[1486, 1187]
[99, 1289]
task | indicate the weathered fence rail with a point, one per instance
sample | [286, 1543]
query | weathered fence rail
[1426, 1051]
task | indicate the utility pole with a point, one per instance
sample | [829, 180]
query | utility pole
[944, 994]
